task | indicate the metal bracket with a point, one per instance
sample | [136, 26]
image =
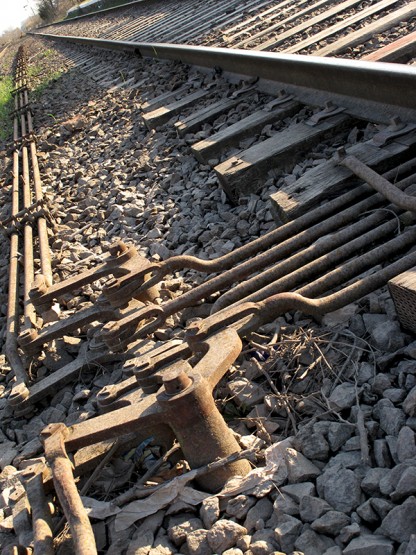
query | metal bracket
[328, 112]
[184, 403]
[397, 128]
[122, 261]
[282, 98]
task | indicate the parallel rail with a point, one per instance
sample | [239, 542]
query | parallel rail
[378, 84]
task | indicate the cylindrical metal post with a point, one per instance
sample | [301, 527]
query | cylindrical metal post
[198, 425]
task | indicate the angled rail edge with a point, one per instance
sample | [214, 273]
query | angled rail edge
[374, 82]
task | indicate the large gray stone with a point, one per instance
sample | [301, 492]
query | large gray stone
[369, 545]
[367, 513]
[391, 419]
[381, 506]
[311, 508]
[285, 504]
[382, 453]
[331, 523]
[371, 481]
[340, 488]
[400, 523]
[385, 333]
[315, 446]
[338, 433]
[406, 485]
[197, 543]
[297, 491]
[181, 526]
[406, 445]
[389, 483]
[287, 531]
[343, 396]
[261, 511]
[224, 534]
[240, 505]
[210, 511]
[311, 543]
[409, 404]
[411, 546]
[349, 532]
[299, 468]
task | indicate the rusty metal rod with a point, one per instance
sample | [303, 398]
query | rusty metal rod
[82, 534]
[306, 223]
[330, 245]
[13, 294]
[113, 332]
[44, 251]
[249, 316]
[28, 261]
[350, 269]
[378, 182]
[41, 514]
[117, 337]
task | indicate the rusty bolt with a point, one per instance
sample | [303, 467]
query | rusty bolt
[175, 380]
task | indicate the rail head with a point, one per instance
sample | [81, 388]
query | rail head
[377, 83]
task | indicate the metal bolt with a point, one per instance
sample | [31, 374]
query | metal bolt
[117, 248]
[176, 380]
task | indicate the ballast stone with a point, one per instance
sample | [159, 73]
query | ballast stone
[340, 487]
[369, 545]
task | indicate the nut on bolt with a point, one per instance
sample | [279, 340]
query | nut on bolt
[117, 248]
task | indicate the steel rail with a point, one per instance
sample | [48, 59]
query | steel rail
[377, 82]
[99, 12]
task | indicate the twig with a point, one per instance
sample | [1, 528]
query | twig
[98, 469]
[130, 493]
[279, 396]
[137, 493]
[362, 432]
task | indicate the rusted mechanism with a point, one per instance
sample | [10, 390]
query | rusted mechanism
[304, 228]
[92, 353]
[295, 270]
[184, 403]
[246, 318]
[282, 245]
[123, 260]
[27, 185]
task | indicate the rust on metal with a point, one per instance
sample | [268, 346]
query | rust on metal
[123, 261]
[185, 404]
[32, 479]
[53, 437]
[390, 191]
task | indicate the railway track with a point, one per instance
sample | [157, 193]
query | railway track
[381, 29]
[311, 176]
